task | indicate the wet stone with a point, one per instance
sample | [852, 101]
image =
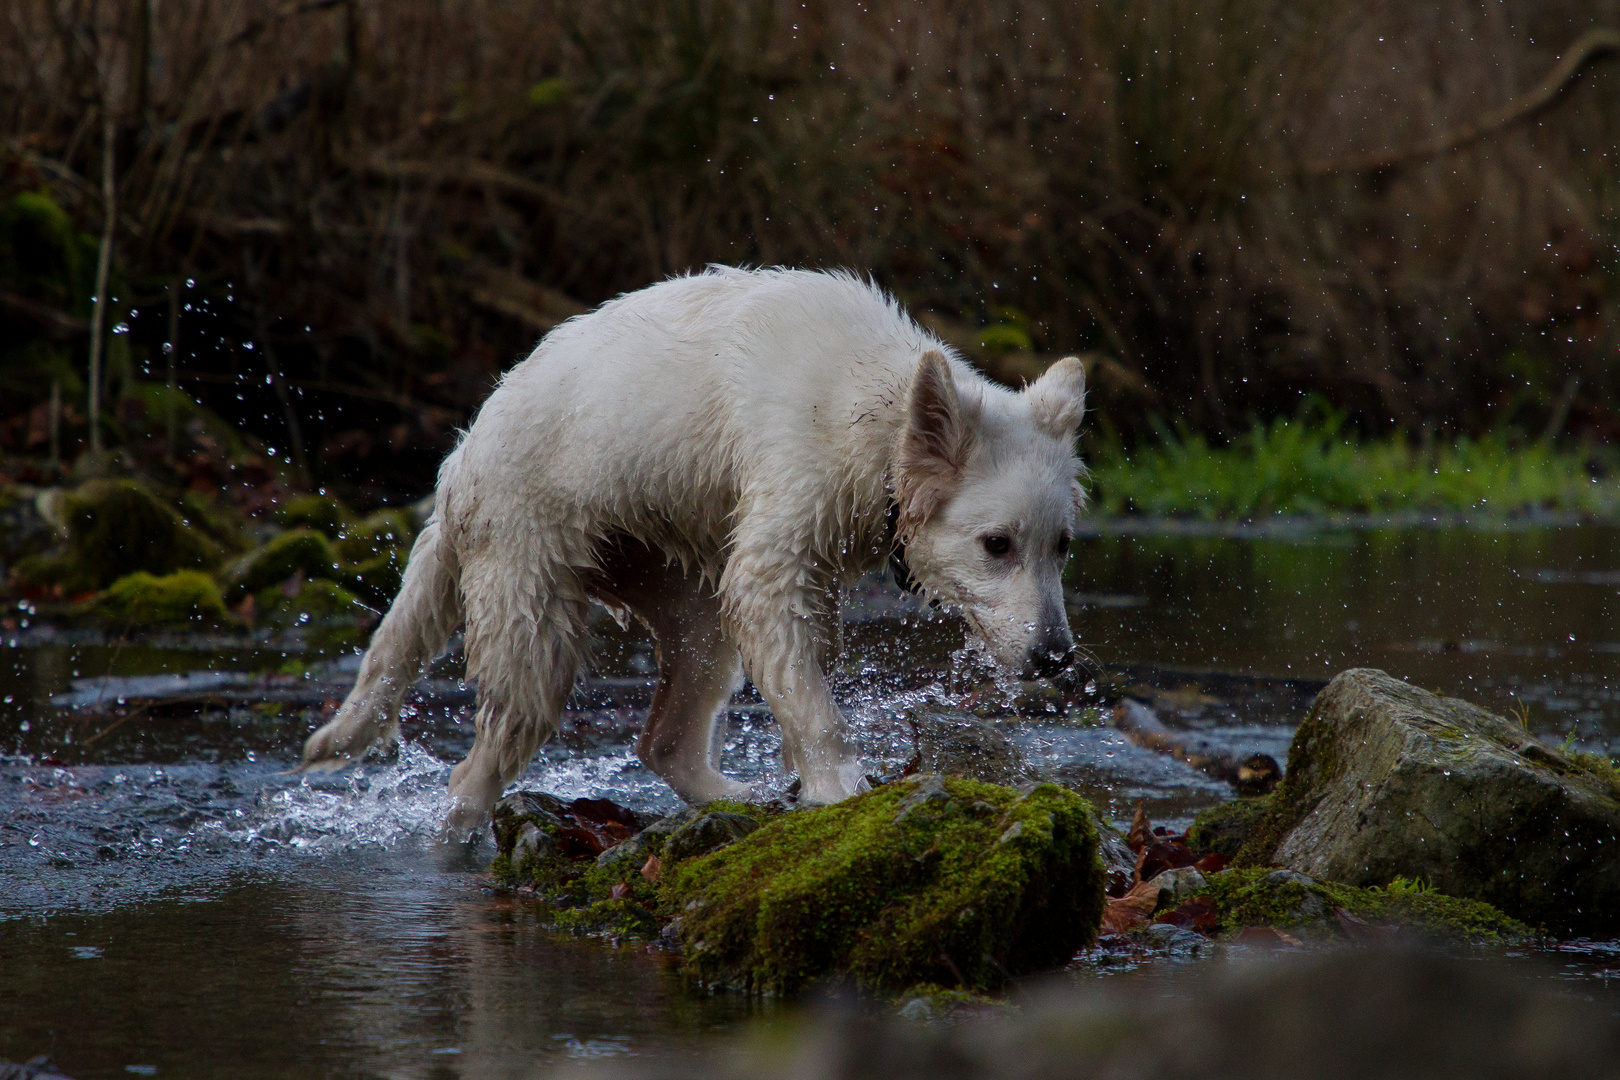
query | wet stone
[954, 743]
[706, 833]
[1386, 780]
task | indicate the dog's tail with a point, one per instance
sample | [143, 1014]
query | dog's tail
[419, 622]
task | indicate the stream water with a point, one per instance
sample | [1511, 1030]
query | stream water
[173, 903]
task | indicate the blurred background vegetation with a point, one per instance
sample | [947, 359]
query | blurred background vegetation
[336, 221]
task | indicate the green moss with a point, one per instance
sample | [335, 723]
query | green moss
[1224, 829]
[1312, 765]
[1603, 767]
[322, 513]
[318, 603]
[1264, 897]
[365, 539]
[376, 580]
[184, 599]
[116, 528]
[930, 1001]
[942, 880]
[295, 551]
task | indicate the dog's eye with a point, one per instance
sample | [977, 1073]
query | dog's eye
[997, 544]
[1063, 546]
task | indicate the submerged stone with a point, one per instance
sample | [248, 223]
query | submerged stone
[927, 880]
[954, 743]
[1388, 781]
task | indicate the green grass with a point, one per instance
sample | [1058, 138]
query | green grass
[1307, 465]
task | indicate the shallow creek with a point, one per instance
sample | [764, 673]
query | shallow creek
[172, 902]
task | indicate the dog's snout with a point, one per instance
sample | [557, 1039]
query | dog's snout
[1052, 653]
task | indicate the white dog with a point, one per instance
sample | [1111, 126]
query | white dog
[716, 454]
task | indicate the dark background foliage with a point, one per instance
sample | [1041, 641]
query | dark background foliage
[351, 215]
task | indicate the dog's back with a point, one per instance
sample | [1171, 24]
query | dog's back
[676, 400]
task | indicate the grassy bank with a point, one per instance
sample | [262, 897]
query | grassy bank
[1308, 466]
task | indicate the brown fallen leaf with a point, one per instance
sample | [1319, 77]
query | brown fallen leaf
[1141, 830]
[1133, 909]
[653, 869]
[620, 891]
[1268, 936]
[1213, 863]
[1195, 914]
[1160, 854]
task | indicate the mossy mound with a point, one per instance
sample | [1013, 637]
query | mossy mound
[116, 528]
[186, 599]
[321, 513]
[1224, 829]
[376, 580]
[927, 880]
[293, 552]
[1260, 896]
[317, 603]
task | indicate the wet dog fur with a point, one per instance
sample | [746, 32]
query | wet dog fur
[716, 454]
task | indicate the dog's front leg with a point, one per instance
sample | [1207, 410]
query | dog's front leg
[783, 642]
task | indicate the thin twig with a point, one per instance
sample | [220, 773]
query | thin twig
[98, 317]
[1589, 47]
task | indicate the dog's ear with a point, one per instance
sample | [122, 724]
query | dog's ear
[1057, 399]
[934, 444]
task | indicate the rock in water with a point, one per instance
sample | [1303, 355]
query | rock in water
[955, 743]
[1387, 780]
[927, 880]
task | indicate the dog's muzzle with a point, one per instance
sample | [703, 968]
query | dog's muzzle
[1053, 654]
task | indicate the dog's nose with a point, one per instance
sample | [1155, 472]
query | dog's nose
[1046, 662]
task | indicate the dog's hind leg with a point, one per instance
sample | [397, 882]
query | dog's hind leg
[417, 625]
[698, 668]
[525, 634]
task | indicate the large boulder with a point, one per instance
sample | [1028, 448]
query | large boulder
[1386, 780]
[931, 879]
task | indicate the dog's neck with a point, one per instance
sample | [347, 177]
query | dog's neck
[897, 548]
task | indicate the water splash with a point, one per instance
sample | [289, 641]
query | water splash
[403, 801]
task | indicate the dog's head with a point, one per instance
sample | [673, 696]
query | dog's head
[985, 482]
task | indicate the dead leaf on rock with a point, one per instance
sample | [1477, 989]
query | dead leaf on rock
[653, 869]
[1195, 914]
[620, 891]
[1131, 910]
[1141, 830]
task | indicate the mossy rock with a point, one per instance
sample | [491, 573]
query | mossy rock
[295, 551]
[1285, 899]
[24, 531]
[186, 599]
[371, 536]
[1386, 780]
[376, 580]
[321, 513]
[116, 528]
[218, 522]
[928, 880]
[1224, 829]
[318, 604]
